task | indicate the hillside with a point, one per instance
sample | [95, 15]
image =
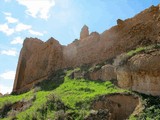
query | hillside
[108, 76]
[71, 94]
[50, 56]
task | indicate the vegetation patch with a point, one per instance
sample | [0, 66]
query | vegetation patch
[60, 97]
[123, 58]
[151, 108]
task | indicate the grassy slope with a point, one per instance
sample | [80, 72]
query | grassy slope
[15, 98]
[75, 94]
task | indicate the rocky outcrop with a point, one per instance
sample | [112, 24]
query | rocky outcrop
[11, 109]
[141, 73]
[105, 73]
[118, 106]
[101, 114]
[84, 32]
[38, 59]
[1, 94]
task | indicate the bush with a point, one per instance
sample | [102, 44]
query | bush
[152, 108]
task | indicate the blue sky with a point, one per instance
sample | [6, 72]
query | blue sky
[61, 19]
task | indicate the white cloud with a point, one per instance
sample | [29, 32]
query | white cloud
[35, 33]
[7, 13]
[38, 8]
[9, 75]
[5, 89]
[21, 27]
[11, 19]
[5, 29]
[17, 40]
[9, 52]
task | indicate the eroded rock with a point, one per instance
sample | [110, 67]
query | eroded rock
[120, 106]
[141, 73]
[105, 73]
[101, 114]
[84, 32]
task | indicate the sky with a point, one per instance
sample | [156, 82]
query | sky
[60, 19]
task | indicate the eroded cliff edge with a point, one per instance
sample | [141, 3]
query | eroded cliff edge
[141, 72]
[39, 59]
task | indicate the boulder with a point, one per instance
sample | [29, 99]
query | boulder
[101, 114]
[105, 73]
[95, 75]
[108, 72]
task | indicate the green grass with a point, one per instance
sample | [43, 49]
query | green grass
[15, 98]
[140, 49]
[38, 103]
[76, 94]
[144, 49]
[132, 52]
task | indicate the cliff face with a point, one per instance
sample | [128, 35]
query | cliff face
[141, 73]
[39, 59]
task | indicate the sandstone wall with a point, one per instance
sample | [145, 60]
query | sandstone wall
[141, 73]
[38, 59]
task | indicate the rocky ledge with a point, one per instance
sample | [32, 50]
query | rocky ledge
[141, 73]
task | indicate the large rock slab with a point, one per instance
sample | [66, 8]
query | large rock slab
[141, 73]
[37, 60]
